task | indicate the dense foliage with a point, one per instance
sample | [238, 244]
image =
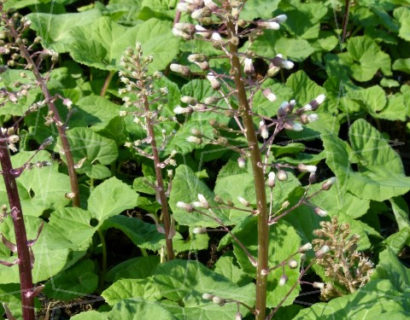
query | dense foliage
[109, 254]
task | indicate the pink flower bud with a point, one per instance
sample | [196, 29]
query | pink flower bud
[305, 247]
[215, 84]
[269, 95]
[248, 66]
[244, 202]
[178, 68]
[282, 175]
[283, 279]
[320, 212]
[329, 183]
[241, 162]
[271, 179]
[306, 168]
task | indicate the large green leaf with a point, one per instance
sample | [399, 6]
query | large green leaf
[77, 281]
[97, 111]
[142, 234]
[402, 65]
[391, 268]
[19, 4]
[367, 58]
[39, 188]
[259, 9]
[188, 280]
[135, 268]
[111, 198]
[91, 152]
[380, 174]
[55, 29]
[102, 43]
[123, 289]
[403, 15]
[376, 300]
[186, 187]
[132, 310]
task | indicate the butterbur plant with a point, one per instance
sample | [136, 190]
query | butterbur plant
[219, 24]
[140, 98]
[24, 55]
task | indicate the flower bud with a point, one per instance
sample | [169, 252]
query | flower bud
[196, 57]
[70, 195]
[305, 247]
[203, 201]
[320, 98]
[306, 168]
[271, 179]
[293, 264]
[248, 67]
[318, 285]
[178, 68]
[199, 30]
[207, 296]
[215, 84]
[211, 100]
[201, 13]
[323, 250]
[238, 316]
[264, 130]
[282, 175]
[185, 206]
[183, 7]
[211, 5]
[241, 162]
[284, 205]
[320, 212]
[270, 25]
[328, 183]
[269, 95]
[216, 38]
[13, 138]
[199, 230]
[283, 279]
[281, 18]
[244, 202]
[312, 117]
[188, 100]
[181, 110]
[194, 139]
[218, 300]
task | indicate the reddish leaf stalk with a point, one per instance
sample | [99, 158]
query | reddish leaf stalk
[52, 107]
[259, 179]
[23, 253]
[160, 181]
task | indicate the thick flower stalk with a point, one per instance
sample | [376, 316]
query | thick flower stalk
[138, 82]
[25, 256]
[24, 259]
[219, 24]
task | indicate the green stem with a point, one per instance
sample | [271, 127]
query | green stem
[258, 175]
[106, 83]
[160, 188]
[103, 260]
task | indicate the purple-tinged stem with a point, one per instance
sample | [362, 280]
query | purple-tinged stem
[23, 253]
